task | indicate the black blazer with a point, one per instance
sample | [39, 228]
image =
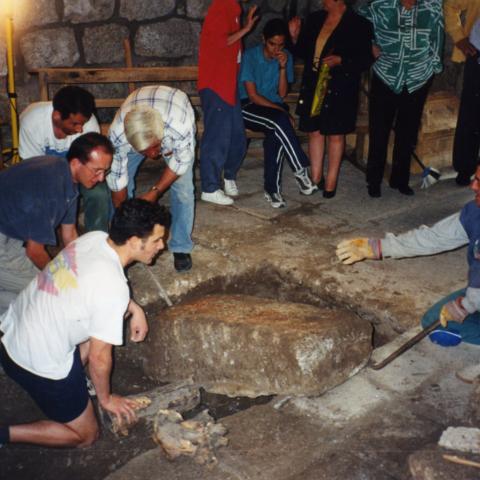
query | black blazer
[351, 40]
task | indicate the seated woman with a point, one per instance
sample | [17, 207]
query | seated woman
[339, 40]
[266, 71]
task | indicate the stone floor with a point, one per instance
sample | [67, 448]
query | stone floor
[366, 428]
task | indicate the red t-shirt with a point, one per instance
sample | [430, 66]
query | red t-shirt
[218, 63]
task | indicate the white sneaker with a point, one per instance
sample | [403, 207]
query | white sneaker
[305, 184]
[275, 200]
[218, 197]
[231, 188]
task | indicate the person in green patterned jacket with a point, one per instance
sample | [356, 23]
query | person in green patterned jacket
[408, 47]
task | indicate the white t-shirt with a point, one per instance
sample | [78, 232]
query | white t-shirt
[81, 293]
[36, 132]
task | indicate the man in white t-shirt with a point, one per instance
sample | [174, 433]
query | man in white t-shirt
[72, 313]
[49, 128]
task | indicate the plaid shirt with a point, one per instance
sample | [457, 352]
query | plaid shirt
[178, 143]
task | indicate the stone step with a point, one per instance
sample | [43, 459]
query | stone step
[250, 346]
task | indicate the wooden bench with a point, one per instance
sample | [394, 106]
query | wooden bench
[182, 77]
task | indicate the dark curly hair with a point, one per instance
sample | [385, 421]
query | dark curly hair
[137, 218]
[71, 100]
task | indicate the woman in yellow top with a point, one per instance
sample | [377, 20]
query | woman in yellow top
[340, 40]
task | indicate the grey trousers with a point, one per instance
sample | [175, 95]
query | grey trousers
[16, 270]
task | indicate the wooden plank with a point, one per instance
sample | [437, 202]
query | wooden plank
[124, 74]
[128, 60]
[291, 98]
[118, 75]
[43, 86]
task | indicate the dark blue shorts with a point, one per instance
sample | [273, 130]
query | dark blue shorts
[60, 400]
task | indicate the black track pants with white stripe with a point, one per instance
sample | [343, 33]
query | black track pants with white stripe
[280, 142]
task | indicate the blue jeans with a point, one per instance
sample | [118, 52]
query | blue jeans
[469, 330]
[182, 204]
[223, 144]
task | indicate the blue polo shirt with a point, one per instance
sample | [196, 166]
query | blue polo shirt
[264, 72]
[36, 196]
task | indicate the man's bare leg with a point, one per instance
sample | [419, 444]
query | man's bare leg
[81, 432]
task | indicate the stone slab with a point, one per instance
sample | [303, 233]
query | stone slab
[247, 345]
[463, 439]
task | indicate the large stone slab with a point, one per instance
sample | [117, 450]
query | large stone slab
[145, 9]
[55, 47]
[246, 345]
[170, 39]
[101, 44]
[79, 11]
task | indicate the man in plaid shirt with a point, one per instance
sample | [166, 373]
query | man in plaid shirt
[158, 121]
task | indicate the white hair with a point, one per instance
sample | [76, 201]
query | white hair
[143, 127]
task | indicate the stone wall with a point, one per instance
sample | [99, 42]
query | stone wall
[54, 33]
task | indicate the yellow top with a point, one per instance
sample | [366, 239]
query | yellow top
[453, 10]
[322, 38]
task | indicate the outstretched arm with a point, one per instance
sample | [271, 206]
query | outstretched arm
[445, 235]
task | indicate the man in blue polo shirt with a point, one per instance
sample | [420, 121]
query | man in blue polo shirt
[49, 128]
[38, 196]
[266, 72]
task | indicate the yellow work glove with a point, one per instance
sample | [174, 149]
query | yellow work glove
[453, 311]
[358, 249]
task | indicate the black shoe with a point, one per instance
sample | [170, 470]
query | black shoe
[321, 184]
[182, 261]
[406, 191]
[463, 180]
[329, 193]
[374, 191]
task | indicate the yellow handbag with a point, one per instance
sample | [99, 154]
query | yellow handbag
[320, 90]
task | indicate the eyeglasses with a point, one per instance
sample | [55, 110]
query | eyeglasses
[98, 172]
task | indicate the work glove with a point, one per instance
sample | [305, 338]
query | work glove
[358, 249]
[453, 311]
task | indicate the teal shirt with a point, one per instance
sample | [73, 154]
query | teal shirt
[411, 41]
[264, 73]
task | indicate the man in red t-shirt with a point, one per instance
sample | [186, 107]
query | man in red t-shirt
[223, 143]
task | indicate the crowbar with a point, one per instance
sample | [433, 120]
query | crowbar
[406, 346]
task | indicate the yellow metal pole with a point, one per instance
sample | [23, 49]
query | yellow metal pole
[12, 95]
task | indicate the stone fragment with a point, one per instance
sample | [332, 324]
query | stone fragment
[145, 9]
[104, 44]
[121, 429]
[197, 8]
[39, 12]
[180, 396]
[197, 438]
[246, 345]
[463, 439]
[79, 11]
[54, 47]
[429, 464]
[171, 39]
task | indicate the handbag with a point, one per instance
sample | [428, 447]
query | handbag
[320, 90]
